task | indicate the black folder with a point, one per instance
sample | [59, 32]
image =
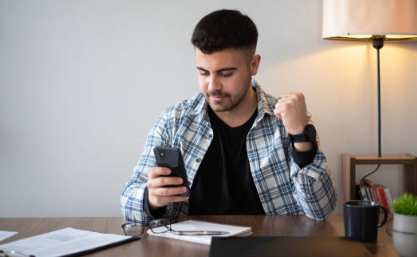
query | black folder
[286, 246]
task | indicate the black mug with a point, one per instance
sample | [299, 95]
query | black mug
[361, 220]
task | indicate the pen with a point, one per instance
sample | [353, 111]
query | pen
[199, 233]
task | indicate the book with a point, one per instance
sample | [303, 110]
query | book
[388, 197]
[374, 190]
[364, 193]
[370, 195]
[359, 195]
[383, 198]
[194, 225]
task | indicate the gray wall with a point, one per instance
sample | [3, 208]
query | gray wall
[81, 83]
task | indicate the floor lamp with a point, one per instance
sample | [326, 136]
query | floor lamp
[370, 20]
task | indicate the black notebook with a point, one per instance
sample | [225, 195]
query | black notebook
[286, 246]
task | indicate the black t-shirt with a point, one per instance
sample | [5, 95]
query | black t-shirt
[223, 183]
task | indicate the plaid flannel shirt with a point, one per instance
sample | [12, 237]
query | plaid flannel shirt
[283, 188]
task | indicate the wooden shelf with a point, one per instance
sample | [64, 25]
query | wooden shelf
[349, 163]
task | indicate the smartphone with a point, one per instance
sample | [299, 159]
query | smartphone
[170, 157]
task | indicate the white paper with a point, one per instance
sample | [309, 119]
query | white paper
[62, 242]
[6, 234]
[201, 225]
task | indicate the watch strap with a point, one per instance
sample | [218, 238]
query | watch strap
[308, 135]
[298, 138]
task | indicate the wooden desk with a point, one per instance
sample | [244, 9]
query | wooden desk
[154, 246]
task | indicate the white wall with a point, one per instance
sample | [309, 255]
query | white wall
[81, 83]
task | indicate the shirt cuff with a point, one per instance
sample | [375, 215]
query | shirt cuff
[304, 158]
[156, 214]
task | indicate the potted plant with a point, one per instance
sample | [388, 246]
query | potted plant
[405, 225]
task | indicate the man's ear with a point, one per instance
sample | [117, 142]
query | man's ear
[254, 65]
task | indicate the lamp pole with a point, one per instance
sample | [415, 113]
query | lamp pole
[378, 43]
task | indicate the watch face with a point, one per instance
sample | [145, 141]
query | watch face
[310, 132]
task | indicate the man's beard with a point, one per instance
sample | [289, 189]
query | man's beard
[228, 102]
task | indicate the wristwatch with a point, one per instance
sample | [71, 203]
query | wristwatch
[308, 135]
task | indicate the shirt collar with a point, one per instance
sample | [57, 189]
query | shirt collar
[266, 103]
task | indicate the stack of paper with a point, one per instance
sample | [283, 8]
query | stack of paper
[64, 242]
[6, 234]
[194, 225]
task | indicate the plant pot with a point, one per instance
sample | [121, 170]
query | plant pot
[405, 234]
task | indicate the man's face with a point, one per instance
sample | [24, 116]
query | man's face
[224, 77]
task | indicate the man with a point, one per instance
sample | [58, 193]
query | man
[245, 152]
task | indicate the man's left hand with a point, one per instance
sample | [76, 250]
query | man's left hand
[291, 108]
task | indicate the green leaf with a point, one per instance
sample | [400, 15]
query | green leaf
[406, 204]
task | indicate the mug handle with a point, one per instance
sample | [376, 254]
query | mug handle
[385, 217]
[387, 229]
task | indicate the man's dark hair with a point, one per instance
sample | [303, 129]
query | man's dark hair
[224, 29]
